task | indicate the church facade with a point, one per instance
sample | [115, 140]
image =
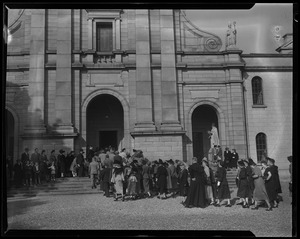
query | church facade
[141, 79]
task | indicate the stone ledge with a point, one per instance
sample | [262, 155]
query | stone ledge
[48, 135]
[157, 133]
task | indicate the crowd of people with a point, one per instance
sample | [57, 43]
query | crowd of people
[130, 177]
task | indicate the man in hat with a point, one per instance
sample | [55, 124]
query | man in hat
[234, 158]
[61, 158]
[80, 163]
[227, 158]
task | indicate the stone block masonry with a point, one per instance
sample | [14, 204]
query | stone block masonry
[156, 147]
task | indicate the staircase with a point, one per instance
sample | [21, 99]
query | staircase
[62, 186]
[231, 176]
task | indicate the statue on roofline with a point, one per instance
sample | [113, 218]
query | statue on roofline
[231, 36]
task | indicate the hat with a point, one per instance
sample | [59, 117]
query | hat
[160, 161]
[246, 160]
[134, 161]
[241, 163]
[134, 150]
[205, 160]
[263, 162]
[81, 150]
[170, 161]
[61, 151]
[270, 159]
[251, 162]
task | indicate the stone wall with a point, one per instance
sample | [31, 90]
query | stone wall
[273, 119]
[160, 146]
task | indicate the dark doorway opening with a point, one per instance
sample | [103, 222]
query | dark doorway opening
[198, 140]
[108, 138]
[202, 119]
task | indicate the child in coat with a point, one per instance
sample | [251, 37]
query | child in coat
[132, 181]
[52, 168]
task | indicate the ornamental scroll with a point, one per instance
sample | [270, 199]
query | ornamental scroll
[194, 39]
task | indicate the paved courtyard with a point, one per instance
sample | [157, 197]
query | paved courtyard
[96, 212]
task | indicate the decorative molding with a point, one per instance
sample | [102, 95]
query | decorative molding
[204, 93]
[103, 13]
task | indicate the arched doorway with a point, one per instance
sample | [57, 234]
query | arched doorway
[105, 122]
[9, 133]
[202, 118]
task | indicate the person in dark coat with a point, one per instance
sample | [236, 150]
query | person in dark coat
[234, 158]
[183, 180]
[28, 173]
[271, 163]
[69, 159]
[161, 175]
[80, 163]
[227, 158]
[243, 184]
[290, 159]
[223, 191]
[61, 159]
[18, 173]
[196, 195]
[271, 181]
[105, 175]
[250, 180]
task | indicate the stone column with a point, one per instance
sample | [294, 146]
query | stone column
[63, 100]
[35, 123]
[170, 117]
[118, 32]
[236, 113]
[144, 111]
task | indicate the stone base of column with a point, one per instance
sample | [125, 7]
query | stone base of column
[171, 126]
[62, 129]
[144, 126]
[35, 129]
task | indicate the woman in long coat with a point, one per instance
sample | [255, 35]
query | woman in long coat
[161, 175]
[222, 185]
[196, 194]
[270, 183]
[274, 170]
[243, 185]
[260, 192]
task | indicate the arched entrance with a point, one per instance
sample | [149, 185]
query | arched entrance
[105, 122]
[202, 118]
[9, 133]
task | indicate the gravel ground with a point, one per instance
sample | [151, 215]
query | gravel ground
[96, 212]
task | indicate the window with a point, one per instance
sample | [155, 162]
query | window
[257, 91]
[104, 36]
[261, 146]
